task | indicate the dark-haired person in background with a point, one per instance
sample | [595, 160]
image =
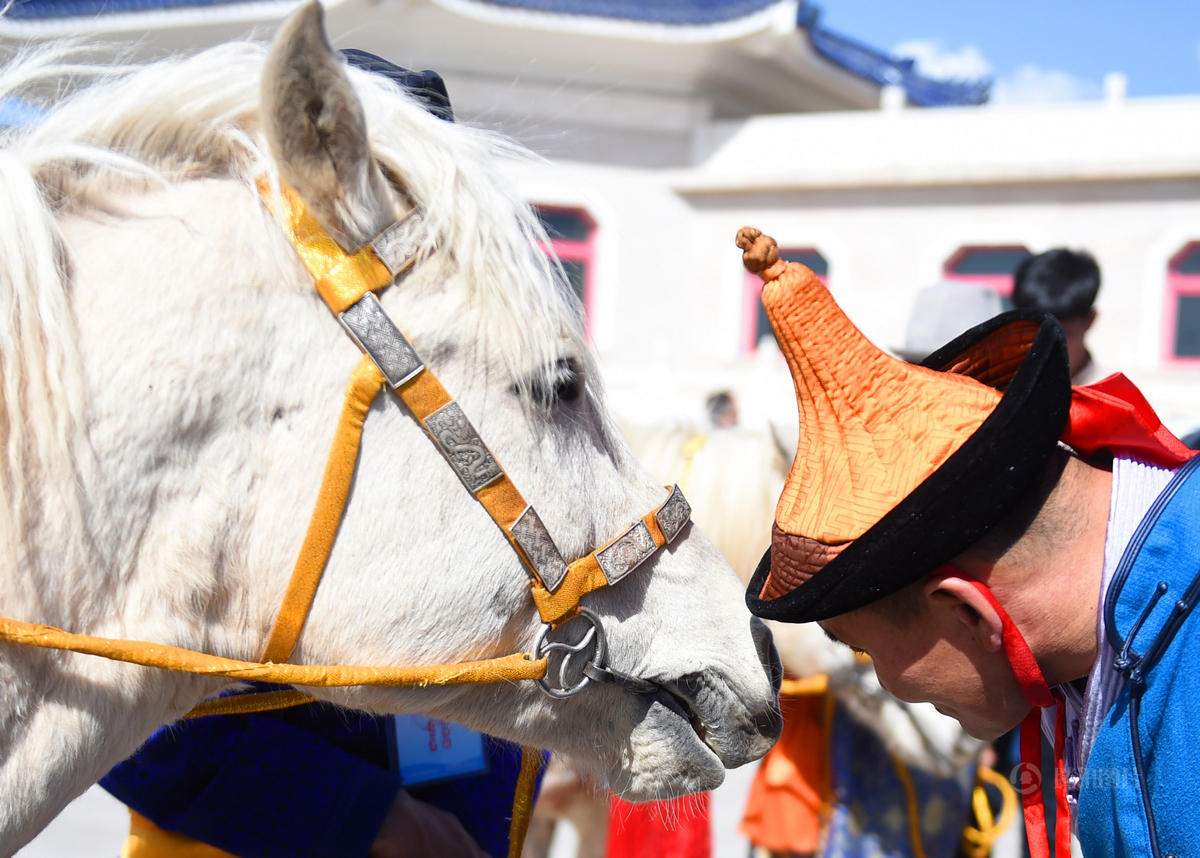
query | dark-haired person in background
[1063, 283]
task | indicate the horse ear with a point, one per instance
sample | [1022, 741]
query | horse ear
[315, 126]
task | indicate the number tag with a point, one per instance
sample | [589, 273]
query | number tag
[427, 749]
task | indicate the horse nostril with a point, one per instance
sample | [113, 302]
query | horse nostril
[767, 654]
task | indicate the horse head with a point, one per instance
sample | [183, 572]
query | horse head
[193, 378]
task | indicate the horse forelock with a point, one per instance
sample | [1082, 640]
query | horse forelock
[197, 116]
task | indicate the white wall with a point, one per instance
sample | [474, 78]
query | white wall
[668, 281]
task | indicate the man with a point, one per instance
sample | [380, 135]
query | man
[1063, 283]
[1000, 545]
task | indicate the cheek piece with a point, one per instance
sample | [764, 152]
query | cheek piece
[1040, 696]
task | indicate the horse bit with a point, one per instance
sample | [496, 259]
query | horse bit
[348, 283]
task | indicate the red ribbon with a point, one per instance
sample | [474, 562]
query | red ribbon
[1037, 691]
[1113, 415]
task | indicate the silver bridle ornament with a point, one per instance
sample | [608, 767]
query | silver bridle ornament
[592, 649]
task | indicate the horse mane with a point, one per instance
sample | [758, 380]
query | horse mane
[113, 127]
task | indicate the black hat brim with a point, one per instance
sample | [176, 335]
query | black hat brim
[1021, 354]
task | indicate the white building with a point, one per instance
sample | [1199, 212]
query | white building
[668, 125]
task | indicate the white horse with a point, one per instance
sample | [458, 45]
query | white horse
[170, 382]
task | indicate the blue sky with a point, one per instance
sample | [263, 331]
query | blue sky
[1051, 50]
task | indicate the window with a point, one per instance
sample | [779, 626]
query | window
[572, 234]
[755, 324]
[1183, 305]
[990, 266]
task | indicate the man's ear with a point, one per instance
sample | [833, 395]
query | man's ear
[970, 607]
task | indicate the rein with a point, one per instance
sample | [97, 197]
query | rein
[348, 283]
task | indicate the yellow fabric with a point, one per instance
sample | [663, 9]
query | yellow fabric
[147, 840]
[504, 669]
[583, 576]
[365, 384]
[978, 839]
[341, 278]
[260, 701]
[531, 763]
[914, 809]
[817, 684]
[691, 447]
[424, 394]
[872, 427]
[504, 504]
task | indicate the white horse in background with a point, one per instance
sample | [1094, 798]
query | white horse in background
[733, 478]
[169, 384]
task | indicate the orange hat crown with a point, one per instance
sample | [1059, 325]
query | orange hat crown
[872, 428]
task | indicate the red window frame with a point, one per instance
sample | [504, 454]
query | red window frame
[1179, 285]
[752, 291]
[576, 251]
[1001, 283]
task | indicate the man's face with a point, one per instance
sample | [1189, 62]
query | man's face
[934, 656]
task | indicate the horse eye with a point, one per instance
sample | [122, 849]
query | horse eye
[569, 385]
[563, 383]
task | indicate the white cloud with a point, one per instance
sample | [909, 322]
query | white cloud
[935, 60]
[1031, 84]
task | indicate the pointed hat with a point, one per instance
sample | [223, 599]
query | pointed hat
[898, 467]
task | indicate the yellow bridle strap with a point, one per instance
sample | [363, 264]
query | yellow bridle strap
[504, 669]
[365, 384]
[583, 576]
[341, 278]
[531, 764]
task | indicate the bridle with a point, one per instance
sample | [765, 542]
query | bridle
[348, 282]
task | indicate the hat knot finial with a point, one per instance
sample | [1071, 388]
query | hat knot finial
[759, 252]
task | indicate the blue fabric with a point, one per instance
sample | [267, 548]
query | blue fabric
[308, 782]
[869, 813]
[1112, 815]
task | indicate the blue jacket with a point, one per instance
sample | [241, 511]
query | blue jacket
[1137, 795]
[313, 781]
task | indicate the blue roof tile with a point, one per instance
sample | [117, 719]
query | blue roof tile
[678, 12]
[40, 10]
[884, 69]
